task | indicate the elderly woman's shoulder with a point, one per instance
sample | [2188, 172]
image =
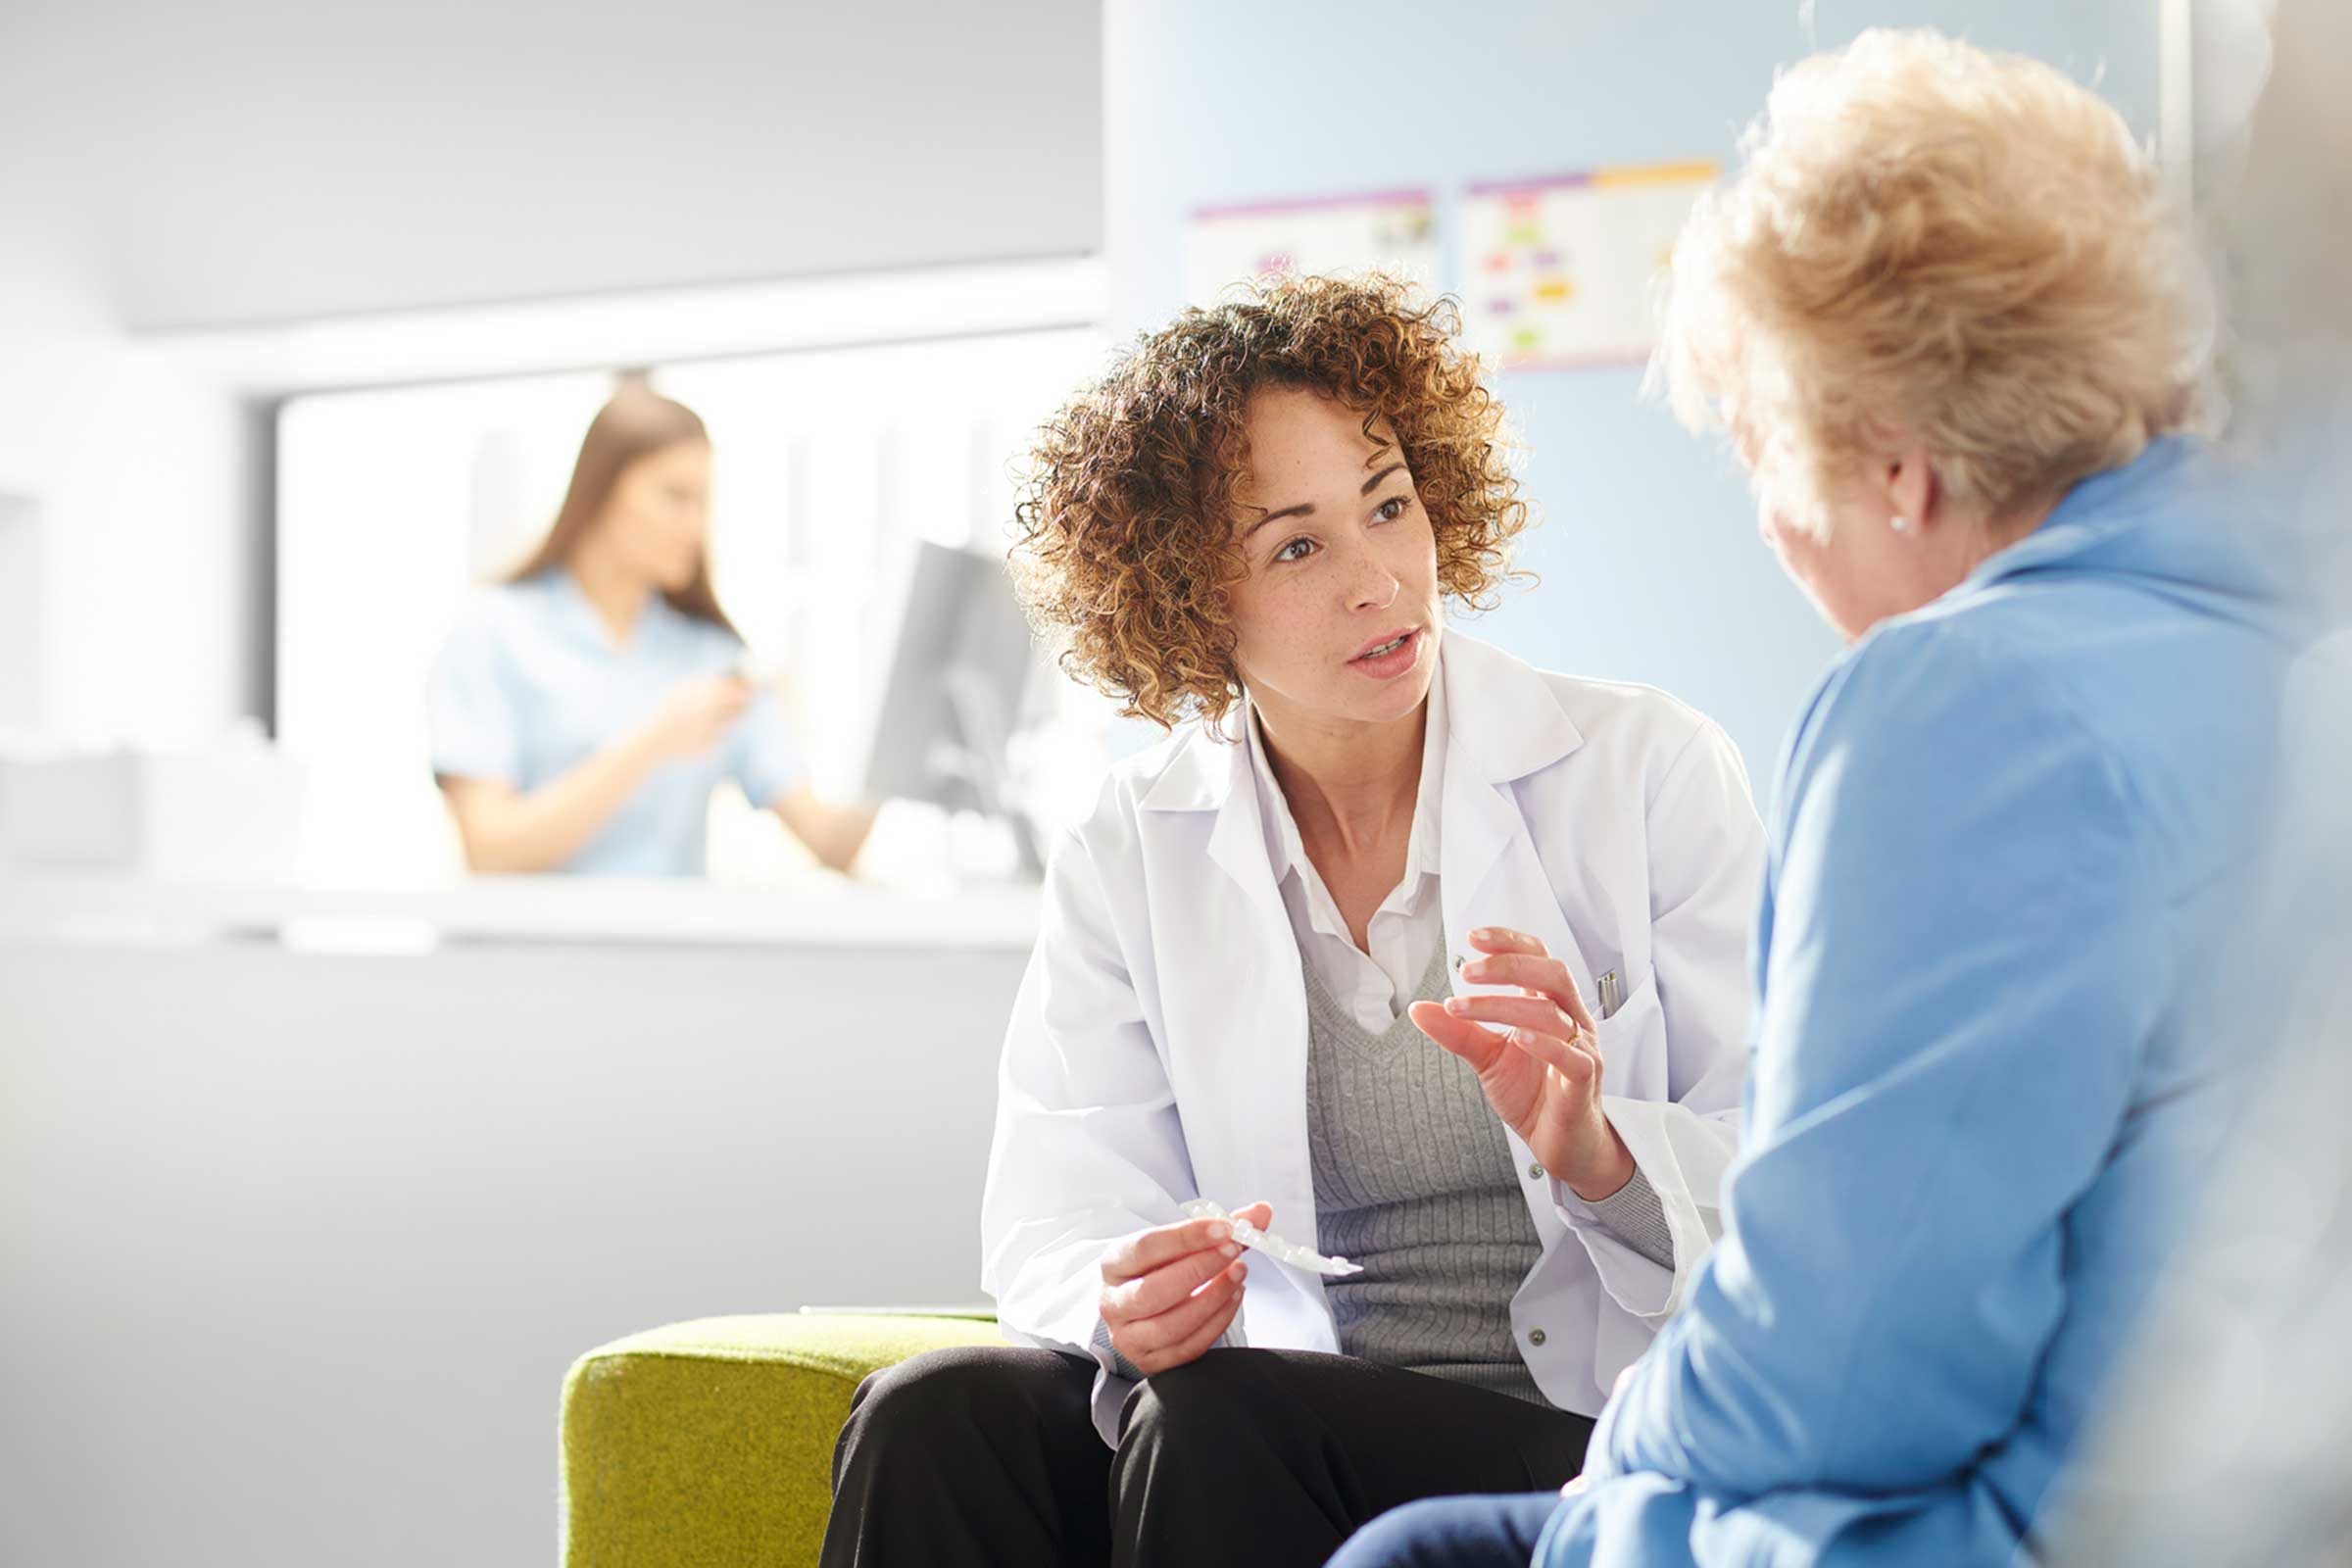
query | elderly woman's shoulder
[1953, 681]
[1924, 651]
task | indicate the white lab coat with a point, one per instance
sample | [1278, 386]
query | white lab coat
[1158, 1049]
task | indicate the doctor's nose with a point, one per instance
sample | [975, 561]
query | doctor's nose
[1375, 586]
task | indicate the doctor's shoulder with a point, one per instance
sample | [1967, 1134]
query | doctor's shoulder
[1177, 765]
[1166, 782]
[1636, 730]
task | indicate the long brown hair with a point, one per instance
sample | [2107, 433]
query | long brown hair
[635, 422]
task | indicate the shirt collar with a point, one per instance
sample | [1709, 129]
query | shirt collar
[2089, 513]
[580, 619]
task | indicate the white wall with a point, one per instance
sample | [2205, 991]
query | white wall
[24, 615]
[136, 472]
[295, 1248]
[260, 160]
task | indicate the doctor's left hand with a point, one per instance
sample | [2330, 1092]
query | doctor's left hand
[1540, 1067]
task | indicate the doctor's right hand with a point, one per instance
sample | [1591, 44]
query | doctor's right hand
[695, 717]
[1169, 1291]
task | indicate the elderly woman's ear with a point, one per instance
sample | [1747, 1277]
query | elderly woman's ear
[1913, 495]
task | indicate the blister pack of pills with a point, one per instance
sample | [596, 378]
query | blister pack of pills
[1273, 1246]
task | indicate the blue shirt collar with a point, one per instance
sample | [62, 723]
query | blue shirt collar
[2094, 510]
[580, 618]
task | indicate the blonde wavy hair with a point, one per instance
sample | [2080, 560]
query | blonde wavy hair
[1126, 544]
[1933, 242]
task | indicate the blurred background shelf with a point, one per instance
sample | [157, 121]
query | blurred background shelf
[822, 912]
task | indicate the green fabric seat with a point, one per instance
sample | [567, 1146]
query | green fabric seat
[711, 1443]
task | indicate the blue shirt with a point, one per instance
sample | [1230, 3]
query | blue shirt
[1993, 1047]
[531, 683]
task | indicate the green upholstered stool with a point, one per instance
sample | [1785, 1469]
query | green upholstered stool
[711, 1443]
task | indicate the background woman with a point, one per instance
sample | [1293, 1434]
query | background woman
[583, 711]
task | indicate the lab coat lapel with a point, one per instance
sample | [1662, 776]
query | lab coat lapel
[1235, 1000]
[1504, 724]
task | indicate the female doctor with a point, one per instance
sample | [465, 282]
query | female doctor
[583, 711]
[1247, 952]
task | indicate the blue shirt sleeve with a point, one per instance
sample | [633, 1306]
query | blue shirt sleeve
[472, 706]
[765, 761]
[1958, 971]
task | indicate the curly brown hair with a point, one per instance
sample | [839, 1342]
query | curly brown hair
[1126, 541]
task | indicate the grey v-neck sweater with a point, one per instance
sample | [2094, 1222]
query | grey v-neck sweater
[1414, 1180]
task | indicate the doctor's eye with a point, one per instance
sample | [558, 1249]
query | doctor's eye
[1391, 510]
[1295, 550]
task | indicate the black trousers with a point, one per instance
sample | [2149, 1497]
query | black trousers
[1268, 1458]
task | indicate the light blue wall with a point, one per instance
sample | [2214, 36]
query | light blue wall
[1646, 537]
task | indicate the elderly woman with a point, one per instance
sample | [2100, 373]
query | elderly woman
[1957, 337]
[1367, 828]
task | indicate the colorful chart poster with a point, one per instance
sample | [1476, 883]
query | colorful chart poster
[1395, 231]
[1562, 272]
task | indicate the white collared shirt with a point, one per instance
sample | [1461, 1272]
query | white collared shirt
[1408, 928]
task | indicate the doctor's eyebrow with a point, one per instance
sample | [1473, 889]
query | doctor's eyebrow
[1306, 506]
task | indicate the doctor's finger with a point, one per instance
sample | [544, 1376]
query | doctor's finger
[1548, 976]
[1199, 1342]
[1502, 939]
[1168, 1286]
[1520, 1013]
[1162, 1330]
[1573, 1062]
[1474, 1042]
[1145, 1250]
[1144, 1340]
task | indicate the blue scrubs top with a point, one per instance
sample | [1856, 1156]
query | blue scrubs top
[531, 683]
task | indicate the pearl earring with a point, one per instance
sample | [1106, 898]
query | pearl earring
[1900, 525]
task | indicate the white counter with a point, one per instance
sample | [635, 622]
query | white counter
[298, 1236]
[825, 911]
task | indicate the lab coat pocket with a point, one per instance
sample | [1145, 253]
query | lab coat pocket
[1633, 1043]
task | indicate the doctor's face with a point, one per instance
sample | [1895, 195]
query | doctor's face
[657, 518]
[1337, 620]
